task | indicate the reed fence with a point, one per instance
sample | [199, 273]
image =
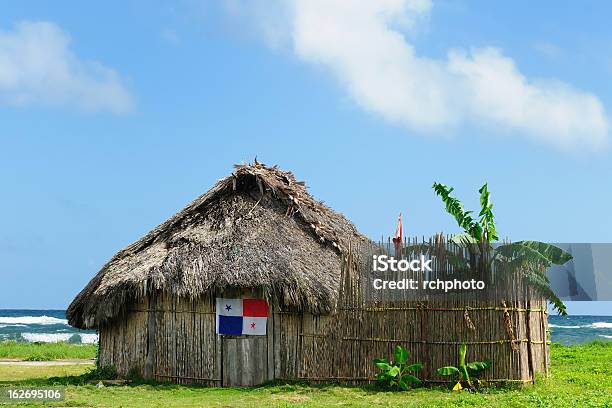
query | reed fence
[173, 339]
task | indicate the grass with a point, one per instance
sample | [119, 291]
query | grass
[18, 374]
[581, 377]
[47, 351]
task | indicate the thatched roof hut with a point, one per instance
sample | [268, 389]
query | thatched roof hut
[259, 234]
[257, 228]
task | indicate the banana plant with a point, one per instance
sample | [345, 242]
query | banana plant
[531, 258]
[462, 373]
[397, 374]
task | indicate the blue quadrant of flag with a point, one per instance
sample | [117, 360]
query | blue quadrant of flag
[230, 325]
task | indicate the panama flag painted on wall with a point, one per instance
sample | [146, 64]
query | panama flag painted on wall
[242, 316]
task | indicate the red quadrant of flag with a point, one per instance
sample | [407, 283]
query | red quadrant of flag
[254, 308]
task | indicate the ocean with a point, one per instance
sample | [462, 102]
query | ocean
[580, 329]
[52, 326]
[43, 326]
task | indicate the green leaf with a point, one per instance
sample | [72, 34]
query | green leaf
[384, 366]
[382, 363]
[456, 209]
[487, 221]
[403, 385]
[401, 355]
[448, 370]
[553, 253]
[479, 365]
[394, 371]
[538, 281]
[535, 252]
[463, 239]
[532, 258]
[414, 367]
[462, 353]
[412, 379]
[517, 255]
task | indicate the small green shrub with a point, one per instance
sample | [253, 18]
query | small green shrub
[134, 374]
[463, 371]
[397, 374]
[108, 372]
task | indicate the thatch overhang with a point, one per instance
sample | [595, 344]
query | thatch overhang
[258, 228]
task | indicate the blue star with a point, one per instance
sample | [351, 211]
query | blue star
[228, 307]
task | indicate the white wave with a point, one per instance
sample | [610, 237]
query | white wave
[13, 325]
[55, 337]
[605, 336]
[564, 327]
[32, 320]
[89, 338]
[602, 325]
[47, 337]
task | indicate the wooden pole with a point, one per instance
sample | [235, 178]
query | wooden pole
[151, 345]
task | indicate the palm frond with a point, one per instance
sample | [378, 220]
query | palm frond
[463, 239]
[541, 284]
[487, 220]
[551, 252]
[516, 255]
[534, 251]
[456, 209]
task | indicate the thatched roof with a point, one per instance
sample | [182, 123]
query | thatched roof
[257, 228]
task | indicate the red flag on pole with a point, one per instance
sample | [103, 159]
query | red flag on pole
[399, 235]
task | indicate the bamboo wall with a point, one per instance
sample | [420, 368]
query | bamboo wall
[177, 338]
[183, 344]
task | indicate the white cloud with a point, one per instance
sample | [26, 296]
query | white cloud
[550, 111]
[363, 44]
[37, 67]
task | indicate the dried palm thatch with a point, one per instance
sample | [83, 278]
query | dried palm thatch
[257, 228]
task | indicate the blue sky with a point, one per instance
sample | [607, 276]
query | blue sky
[114, 116]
